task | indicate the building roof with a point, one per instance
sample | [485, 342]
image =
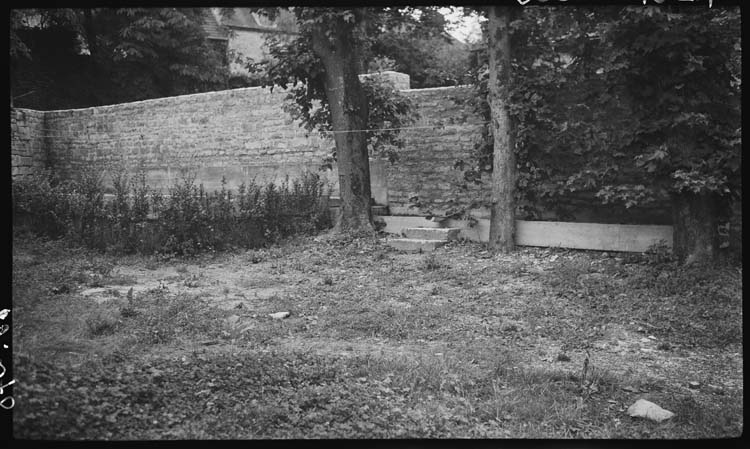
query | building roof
[244, 18]
[214, 30]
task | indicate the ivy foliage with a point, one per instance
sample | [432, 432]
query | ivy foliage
[681, 70]
[629, 104]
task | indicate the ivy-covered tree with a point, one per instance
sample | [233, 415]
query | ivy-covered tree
[321, 68]
[634, 105]
[502, 202]
[678, 67]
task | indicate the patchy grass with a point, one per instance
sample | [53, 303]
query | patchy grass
[694, 305]
[378, 344]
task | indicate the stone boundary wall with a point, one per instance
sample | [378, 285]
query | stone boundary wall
[28, 153]
[240, 134]
[447, 130]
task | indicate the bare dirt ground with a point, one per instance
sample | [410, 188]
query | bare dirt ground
[378, 343]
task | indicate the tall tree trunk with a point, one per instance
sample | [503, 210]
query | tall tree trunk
[695, 238]
[349, 112]
[503, 216]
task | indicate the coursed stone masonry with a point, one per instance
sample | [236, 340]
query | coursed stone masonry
[27, 149]
[240, 134]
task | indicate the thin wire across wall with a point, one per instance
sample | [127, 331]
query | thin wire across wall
[76, 136]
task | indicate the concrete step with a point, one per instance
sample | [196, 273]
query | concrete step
[415, 244]
[377, 211]
[445, 234]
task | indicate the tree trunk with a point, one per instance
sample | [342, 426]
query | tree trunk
[503, 216]
[695, 233]
[349, 112]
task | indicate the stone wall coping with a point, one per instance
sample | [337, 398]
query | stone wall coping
[216, 93]
[25, 110]
[162, 99]
[437, 89]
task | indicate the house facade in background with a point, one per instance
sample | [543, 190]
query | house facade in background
[243, 34]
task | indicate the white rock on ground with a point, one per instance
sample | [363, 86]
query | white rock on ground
[646, 409]
[232, 320]
[278, 315]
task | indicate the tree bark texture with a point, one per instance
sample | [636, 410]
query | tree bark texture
[349, 112]
[695, 232]
[502, 215]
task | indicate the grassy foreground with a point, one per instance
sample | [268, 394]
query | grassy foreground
[378, 344]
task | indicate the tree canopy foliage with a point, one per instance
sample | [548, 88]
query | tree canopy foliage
[420, 47]
[88, 57]
[295, 66]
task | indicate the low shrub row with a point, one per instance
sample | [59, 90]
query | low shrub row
[185, 221]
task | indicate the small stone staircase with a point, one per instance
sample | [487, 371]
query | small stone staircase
[423, 239]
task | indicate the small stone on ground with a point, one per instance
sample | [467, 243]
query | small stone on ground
[646, 409]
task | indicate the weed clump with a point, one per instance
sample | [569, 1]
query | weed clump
[430, 263]
[101, 324]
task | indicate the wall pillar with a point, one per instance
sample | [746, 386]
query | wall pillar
[378, 181]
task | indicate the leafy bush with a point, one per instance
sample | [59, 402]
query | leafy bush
[186, 221]
[39, 204]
